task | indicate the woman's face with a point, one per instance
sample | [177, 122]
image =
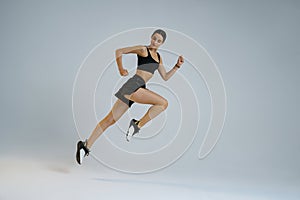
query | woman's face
[156, 40]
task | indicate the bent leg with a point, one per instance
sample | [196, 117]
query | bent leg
[144, 96]
[114, 115]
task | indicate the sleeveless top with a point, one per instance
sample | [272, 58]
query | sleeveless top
[148, 63]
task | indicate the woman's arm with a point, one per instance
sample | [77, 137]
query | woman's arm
[139, 50]
[167, 75]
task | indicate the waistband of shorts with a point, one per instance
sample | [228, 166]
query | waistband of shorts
[139, 77]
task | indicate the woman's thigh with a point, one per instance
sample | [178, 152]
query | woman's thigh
[146, 96]
[118, 109]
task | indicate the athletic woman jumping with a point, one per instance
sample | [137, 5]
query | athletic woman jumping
[134, 90]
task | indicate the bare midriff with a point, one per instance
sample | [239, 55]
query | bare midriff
[144, 74]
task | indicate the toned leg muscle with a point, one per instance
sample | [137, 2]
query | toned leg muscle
[114, 115]
[144, 96]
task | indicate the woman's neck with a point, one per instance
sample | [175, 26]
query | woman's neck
[152, 49]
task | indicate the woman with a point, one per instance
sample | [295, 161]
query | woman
[134, 90]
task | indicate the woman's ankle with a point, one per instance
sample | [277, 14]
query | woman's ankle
[139, 125]
[86, 144]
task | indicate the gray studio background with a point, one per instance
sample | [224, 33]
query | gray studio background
[255, 45]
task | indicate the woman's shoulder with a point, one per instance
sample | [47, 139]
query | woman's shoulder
[137, 49]
[142, 50]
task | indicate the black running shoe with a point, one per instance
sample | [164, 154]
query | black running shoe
[81, 152]
[133, 129]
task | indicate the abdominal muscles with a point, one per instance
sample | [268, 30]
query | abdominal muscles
[144, 74]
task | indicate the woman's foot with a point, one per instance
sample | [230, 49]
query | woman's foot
[81, 152]
[133, 129]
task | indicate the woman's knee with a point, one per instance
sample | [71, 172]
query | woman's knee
[107, 121]
[111, 120]
[164, 103]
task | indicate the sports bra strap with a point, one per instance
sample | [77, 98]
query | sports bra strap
[151, 56]
[148, 51]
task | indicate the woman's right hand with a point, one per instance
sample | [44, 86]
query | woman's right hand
[123, 72]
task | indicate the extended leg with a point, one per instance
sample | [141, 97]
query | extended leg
[114, 115]
[83, 148]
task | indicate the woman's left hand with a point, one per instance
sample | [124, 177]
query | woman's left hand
[180, 61]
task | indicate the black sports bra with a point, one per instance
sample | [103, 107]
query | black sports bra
[148, 63]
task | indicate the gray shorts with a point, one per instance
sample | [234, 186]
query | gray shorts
[132, 85]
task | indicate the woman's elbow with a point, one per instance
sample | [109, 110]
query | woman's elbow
[118, 52]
